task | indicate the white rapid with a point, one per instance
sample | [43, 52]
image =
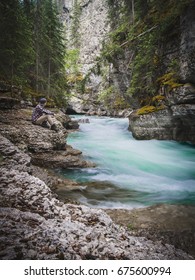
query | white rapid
[130, 173]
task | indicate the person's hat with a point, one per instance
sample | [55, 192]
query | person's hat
[43, 100]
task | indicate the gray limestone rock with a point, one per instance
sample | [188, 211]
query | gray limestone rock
[176, 123]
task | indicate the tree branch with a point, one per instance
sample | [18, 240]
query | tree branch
[138, 36]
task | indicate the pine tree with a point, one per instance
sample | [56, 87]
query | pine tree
[54, 51]
[48, 73]
[15, 42]
[32, 47]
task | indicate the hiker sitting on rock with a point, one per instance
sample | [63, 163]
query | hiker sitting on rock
[42, 116]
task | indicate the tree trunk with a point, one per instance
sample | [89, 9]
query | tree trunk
[49, 78]
[133, 10]
[37, 44]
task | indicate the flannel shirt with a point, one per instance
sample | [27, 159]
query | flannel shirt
[38, 112]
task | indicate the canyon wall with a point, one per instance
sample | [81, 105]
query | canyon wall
[115, 78]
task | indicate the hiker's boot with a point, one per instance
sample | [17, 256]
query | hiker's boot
[54, 127]
[45, 124]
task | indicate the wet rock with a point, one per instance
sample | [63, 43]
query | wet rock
[155, 125]
[72, 125]
[84, 120]
[176, 123]
[60, 159]
[66, 121]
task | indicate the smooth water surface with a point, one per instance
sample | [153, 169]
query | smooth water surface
[130, 173]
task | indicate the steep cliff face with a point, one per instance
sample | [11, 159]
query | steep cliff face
[92, 31]
[187, 44]
[86, 26]
[177, 121]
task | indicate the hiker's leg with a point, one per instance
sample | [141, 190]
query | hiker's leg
[41, 119]
[44, 118]
[49, 119]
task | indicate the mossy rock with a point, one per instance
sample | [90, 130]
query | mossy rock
[149, 109]
[158, 98]
[170, 80]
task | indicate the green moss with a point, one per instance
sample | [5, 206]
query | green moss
[158, 98]
[73, 78]
[119, 103]
[149, 109]
[170, 80]
[130, 227]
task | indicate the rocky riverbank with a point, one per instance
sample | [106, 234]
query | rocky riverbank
[34, 223]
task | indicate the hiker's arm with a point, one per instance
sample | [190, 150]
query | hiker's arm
[47, 112]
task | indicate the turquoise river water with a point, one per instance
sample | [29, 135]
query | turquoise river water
[130, 173]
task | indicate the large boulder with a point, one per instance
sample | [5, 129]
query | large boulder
[46, 147]
[34, 138]
[61, 159]
[176, 123]
[66, 121]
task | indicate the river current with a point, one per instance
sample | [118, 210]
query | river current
[129, 173]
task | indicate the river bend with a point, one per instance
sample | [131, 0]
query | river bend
[130, 173]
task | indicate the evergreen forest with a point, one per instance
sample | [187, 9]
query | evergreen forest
[32, 49]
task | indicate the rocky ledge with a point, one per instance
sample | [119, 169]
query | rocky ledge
[176, 122]
[34, 224]
[45, 147]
